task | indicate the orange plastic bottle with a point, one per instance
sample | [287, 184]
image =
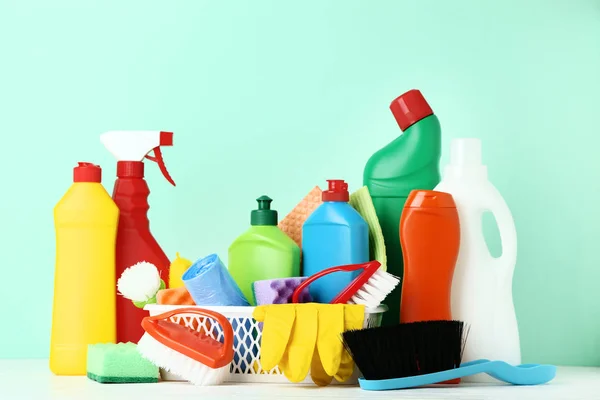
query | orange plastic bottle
[430, 238]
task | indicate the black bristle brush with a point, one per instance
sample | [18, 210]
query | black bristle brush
[424, 353]
[406, 349]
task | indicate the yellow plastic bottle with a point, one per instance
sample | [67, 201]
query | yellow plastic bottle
[176, 270]
[84, 309]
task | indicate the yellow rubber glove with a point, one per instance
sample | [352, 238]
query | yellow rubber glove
[329, 345]
[278, 322]
[317, 373]
[354, 317]
[295, 363]
[299, 337]
[328, 352]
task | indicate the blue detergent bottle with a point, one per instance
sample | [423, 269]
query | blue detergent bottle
[334, 234]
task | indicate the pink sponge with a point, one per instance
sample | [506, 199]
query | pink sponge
[279, 291]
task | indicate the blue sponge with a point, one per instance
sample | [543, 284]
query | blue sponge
[279, 291]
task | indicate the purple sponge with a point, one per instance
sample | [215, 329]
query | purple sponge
[279, 291]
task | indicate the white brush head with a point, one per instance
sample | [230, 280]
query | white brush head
[179, 364]
[140, 282]
[375, 290]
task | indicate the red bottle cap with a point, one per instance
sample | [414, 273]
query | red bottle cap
[338, 191]
[429, 199]
[130, 169]
[87, 172]
[409, 108]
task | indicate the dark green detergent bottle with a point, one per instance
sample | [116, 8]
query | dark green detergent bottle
[410, 162]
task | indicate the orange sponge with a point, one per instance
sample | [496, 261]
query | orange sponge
[291, 225]
[178, 296]
[181, 297]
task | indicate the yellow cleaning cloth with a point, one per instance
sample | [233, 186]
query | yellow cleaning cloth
[303, 337]
[361, 201]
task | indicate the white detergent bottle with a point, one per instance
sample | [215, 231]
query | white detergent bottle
[482, 284]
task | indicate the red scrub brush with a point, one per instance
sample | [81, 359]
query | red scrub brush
[369, 288]
[192, 355]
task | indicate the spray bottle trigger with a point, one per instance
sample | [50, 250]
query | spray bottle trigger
[158, 158]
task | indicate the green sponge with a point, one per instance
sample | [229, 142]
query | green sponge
[119, 363]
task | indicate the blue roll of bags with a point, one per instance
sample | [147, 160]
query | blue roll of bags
[210, 284]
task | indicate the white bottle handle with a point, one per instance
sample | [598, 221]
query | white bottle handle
[508, 236]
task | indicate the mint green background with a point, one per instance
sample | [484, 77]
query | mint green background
[274, 97]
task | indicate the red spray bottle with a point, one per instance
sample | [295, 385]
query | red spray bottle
[135, 242]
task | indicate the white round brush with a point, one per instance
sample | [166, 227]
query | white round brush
[140, 283]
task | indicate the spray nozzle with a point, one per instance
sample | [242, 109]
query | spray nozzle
[158, 158]
[136, 145]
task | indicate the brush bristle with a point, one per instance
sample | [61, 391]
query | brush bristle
[407, 349]
[179, 364]
[375, 290]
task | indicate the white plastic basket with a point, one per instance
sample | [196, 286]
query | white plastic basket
[246, 365]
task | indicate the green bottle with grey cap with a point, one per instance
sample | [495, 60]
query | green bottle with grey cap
[263, 251]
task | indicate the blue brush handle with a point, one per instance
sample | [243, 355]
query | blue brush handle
[525, 374]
